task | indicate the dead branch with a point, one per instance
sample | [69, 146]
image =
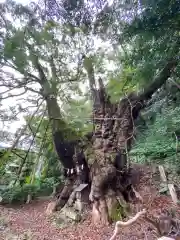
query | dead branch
[165, 238]
[125, 224]
[175, 83]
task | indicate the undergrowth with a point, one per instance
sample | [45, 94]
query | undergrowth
[158, 135]
[18, 194]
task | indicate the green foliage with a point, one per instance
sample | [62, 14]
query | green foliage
[77, 115]
[123, 83]
[119, 211]
[19, 194]
[45, 186]
[155, 18]
[158, 141]
[9, 166]
[150, 39]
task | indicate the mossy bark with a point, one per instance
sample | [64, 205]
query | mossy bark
[114, 131]
[113, 136]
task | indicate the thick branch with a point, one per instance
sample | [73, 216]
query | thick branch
[37, 65]
[25, 73]
[53, 69]
[175, 83]
[88, 65]
[105, 12]
[13, 95]
[32, 90]
[159, 80]
[9, 90]
[39, 68]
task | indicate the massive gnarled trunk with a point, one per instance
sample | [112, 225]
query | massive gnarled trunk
[110, 175]
[113, 135]
[114, 131]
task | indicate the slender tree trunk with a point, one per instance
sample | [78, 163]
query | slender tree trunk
[75, 166]
[57, 125]
[64, 148]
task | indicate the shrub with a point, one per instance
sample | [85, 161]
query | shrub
[17, 194]
[158, 141]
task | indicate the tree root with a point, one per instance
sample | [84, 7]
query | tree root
[109, 208]
[125, 224]
[95, 212]
[62, 198]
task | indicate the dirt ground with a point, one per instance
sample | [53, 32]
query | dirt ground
[30, 219]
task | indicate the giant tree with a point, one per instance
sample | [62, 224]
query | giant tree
[49, 54]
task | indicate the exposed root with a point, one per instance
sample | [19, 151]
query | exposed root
[62, 197]
[110, 195]
[125, 224]
[71, 199]
[50, 208]
[103, 209]
[108, 209]
[95, 213]
[100, 179]
[137, 194]
[100, 212]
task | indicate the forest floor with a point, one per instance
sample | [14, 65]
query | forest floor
[30, 219]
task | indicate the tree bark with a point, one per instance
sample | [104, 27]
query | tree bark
[114, 130]
[64, 151]
[76, 170]
[111, 177]
[64, 148]
[112, 140]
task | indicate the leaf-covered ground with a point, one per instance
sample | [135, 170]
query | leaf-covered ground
[31, 220]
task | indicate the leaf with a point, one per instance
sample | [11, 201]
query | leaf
[28, 179]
